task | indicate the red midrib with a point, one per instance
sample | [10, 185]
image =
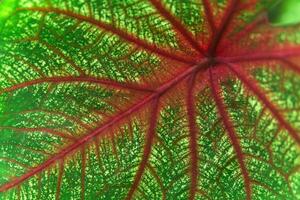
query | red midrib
[117, 118]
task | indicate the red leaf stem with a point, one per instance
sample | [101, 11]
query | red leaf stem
[216, 92]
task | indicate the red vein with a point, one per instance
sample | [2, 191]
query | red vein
[193, 136]
[70, 79]
[289, 64]
[262, 55]
[113, 120]
[209, 15]
[147, 149]
[262, 18]
[216, 92]
[292, 66]
[223, 26]
[43, 130]
[114, 148]
[119, 32]
[252, 85]
[30, 65]
[39, 185]
[159, 181]
[97, 152]
[83, 168]
[59, 179]
[177, 25]
[18, 193]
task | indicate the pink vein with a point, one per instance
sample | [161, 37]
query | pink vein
[292, 66]
[121, 33]
[193, 137]
[261, 19]
[216, 92]
[177, 25]
[83, 171]
[113, 121]
[159, 181]
[223, 26]
[147, 149]
[209, 15]
[59, 179]
[255, 88]
[70, 79]
[284, 59]
[263, 55]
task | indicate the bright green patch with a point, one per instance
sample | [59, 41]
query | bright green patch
[285, 12]
[6, 8]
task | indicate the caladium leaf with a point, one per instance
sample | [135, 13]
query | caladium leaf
[148, 99]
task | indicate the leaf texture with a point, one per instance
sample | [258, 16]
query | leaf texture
[148, 99]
